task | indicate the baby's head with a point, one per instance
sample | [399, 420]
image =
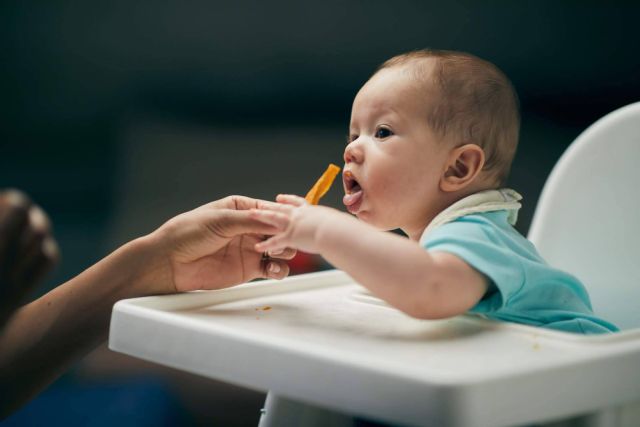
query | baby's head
[428, 128]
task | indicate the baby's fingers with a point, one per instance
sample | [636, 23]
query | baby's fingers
[290, 199]
[285, 254]
[273, 244]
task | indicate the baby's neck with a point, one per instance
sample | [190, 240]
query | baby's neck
[447, 199]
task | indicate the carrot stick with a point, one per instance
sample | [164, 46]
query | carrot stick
[322, 185]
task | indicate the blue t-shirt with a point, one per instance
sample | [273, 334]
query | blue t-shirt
[524, 288]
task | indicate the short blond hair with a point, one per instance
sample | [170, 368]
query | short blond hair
[477, 104]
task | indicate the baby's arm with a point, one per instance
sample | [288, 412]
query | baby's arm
[422, 284]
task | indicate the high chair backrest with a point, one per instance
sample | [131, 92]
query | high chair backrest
[587, 221]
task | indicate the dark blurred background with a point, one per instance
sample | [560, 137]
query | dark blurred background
[117, 115]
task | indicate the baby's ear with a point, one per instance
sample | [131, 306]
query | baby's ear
[462, 168]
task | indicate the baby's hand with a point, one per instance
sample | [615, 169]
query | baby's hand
[298, 220]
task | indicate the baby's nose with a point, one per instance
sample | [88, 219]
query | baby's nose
[348, 157]
[352, 153]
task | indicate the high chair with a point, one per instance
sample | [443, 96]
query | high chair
[327, 352]
[588, 218]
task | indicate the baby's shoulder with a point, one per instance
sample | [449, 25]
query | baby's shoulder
[491, 227]
[473, 223]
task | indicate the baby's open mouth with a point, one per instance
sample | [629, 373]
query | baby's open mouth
[352, 189]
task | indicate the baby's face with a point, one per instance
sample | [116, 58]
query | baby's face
[393, 162]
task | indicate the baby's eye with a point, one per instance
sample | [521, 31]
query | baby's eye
[351, 138]
[383, 133]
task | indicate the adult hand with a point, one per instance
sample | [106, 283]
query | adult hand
[27, 249]
[298, 221]
[209, 247]
[212, 247]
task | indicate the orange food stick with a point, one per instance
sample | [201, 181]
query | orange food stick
[322, 185]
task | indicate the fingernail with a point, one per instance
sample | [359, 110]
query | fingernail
[276, 252]
[274, 268]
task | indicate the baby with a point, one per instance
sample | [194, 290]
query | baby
[431, 141]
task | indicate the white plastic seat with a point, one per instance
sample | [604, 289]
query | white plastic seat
[587, 221]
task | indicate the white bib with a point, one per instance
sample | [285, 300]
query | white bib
[484, 201]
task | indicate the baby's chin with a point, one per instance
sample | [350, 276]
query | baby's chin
[375, 221]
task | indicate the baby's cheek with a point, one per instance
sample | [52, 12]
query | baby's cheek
[392, 194]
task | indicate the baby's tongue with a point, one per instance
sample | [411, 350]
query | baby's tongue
[353, 197]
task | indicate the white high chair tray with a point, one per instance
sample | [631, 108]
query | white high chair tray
[318, 339]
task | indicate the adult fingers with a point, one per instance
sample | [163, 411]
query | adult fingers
[37, 261]
[291, 199]
[38, 219]
[49, 258]
[278, 220]
[264, 267]
[30, 247]
[240, 203]
[231, 223]
[276, 207]
[14, 199]
[203, 232]
[275, 269]
[14, 218]
[245, 203]
[35, 232]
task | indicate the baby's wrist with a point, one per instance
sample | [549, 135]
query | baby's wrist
[329, 230]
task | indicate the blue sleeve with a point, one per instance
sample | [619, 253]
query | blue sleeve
[477, 242]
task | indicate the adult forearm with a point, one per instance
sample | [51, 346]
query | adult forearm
[46, 336]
